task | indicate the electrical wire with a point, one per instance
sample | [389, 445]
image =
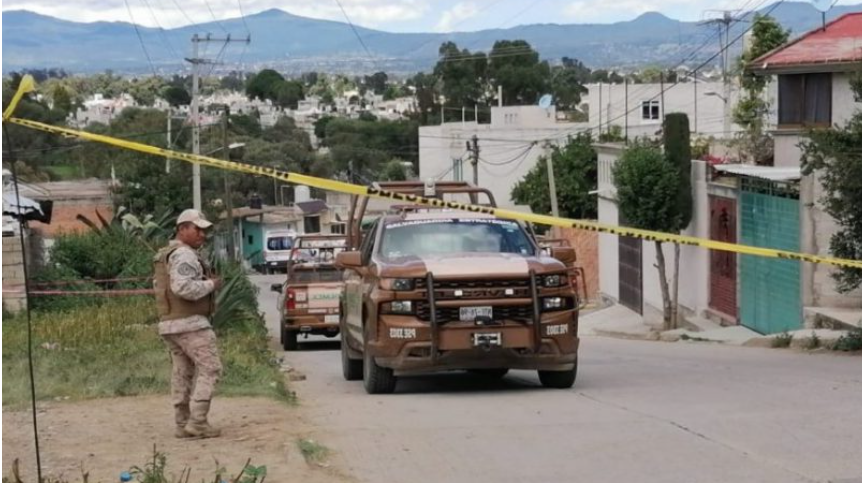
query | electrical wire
[140, 39]
[21, 225]
[163, 36]
[354, 29]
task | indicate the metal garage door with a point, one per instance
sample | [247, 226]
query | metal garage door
[771, 299]
[631, 273]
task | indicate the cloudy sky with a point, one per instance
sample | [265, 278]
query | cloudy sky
[390, 15]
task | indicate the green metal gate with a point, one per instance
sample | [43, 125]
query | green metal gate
[770, 288]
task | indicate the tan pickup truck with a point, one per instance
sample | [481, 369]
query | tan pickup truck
[309, 297]
[437, 290]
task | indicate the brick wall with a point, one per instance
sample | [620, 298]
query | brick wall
[586, 245]
[13, 274]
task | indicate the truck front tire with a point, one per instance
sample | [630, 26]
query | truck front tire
[559, 379]
[377, 379]
[352, 369]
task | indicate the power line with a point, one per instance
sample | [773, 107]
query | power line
[215, 19]
[671, 85]
[140, 39]
[353, 29]
[163, 37]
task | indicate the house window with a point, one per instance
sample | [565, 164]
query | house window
[312, 224]
[805, 99]
[337, 229]
[458, 169]
[651, 110]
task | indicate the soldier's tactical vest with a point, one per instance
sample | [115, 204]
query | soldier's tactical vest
[168, 304]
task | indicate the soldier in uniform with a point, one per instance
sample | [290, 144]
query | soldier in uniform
[185, 291]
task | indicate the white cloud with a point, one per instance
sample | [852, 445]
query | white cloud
[455, 15]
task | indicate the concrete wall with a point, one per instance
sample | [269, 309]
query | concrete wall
[693, 262]
[816, 226]
[13, 275]
[586, 245]
[505, 151]
[708, 111]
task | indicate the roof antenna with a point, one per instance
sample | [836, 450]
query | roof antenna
[824, 6]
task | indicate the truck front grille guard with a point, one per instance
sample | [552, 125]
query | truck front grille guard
[536, 311]
[433, 323]
[433, 319]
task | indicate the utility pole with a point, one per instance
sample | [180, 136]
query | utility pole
[168, 143]
[551, 176]
[229, 205]
[723, 23]
[473, 148]
[196, 145]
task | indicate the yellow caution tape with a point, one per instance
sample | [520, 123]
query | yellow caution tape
[374, 192]
[26, 85]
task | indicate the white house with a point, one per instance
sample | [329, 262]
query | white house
[766, 206]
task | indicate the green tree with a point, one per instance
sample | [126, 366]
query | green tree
[376, 82]
[393, 170]
[575, 166]
[176, 96]
[234, 81]
[462, 75]
[516, 66]
[321, 128]
[647, 187]
[677, 150]
[566, 88]
[751, 110]
[289, 93]
[426, 92]
[264, 85]
[62, 100]
[834, 155]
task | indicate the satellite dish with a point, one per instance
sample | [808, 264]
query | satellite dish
[823, 5]
[546, 101]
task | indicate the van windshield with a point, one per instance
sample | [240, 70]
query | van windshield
[430, 237]
[277, 243]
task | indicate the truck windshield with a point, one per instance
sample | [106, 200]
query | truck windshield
[430, 237]
[315, 274]
[279, 243]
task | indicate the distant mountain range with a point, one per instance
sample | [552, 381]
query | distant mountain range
[292, 43]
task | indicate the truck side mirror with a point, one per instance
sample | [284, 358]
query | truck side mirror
[566, 255]
[276, 287]
[348, 260]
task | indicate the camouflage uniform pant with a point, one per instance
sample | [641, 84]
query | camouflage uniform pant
[197, 367]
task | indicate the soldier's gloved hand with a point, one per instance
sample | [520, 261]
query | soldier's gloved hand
[217, 283]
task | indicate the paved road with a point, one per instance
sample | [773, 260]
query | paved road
[640, 411]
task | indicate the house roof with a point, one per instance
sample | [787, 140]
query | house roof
[312, 207]
[770, 173]
[825, 49]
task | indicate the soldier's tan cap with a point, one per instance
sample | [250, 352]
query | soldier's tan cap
[195, 217]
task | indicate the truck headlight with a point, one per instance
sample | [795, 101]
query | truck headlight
[401, 307]
[552, 280]
[397, 284]
[553, 303]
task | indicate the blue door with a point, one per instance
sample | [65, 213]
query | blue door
[770, 295]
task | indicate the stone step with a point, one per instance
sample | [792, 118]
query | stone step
[695, 323]
[833, 318]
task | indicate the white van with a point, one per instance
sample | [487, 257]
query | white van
[277, 250]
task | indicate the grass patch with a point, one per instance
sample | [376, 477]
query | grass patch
[782, 340]
[850, 342]
[60, 172]
[113, 349]
[812, 342]
[312, 451]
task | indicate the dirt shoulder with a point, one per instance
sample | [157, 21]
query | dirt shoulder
[108, 436]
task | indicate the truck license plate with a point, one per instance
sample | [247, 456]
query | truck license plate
[331, 319]
[487, 339]
[470, 314]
